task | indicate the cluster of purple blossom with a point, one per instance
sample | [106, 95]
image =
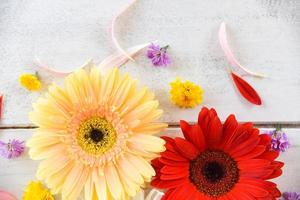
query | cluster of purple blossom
[12, 149]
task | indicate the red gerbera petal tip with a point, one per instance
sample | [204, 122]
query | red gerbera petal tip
[217, 161]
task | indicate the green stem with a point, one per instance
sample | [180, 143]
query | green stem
[165, 47]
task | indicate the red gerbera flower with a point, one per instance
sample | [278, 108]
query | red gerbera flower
[217, 162]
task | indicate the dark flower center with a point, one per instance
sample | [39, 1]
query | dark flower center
[214, 172]
[96, 135]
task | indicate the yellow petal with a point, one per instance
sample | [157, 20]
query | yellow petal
[49, 151]
[108, 84]
[113, 181]
[141, 111]
[95, 79]
[150, 129]
[128, 170]
[130, 187]
[147, 142]
[127, 86]
[143, 167]
[88, 188]
[79, 183]
[100, 184]
[56, 181]
[52, 165]
[59, 98]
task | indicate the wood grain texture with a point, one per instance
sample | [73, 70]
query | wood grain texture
[15, 174]
[264, 35]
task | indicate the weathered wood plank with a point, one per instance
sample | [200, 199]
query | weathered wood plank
[264, 35]
[15, 174]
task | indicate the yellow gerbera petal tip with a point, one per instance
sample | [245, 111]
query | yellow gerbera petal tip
[36, 191]
[30, 81]
[185, 94]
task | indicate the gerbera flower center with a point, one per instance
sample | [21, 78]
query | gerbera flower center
[96, 135]
[214, 172]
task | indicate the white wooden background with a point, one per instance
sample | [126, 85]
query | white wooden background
[264, 35]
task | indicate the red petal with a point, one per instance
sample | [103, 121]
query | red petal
[186, 148]
[211, 126]
[257, 151]
[258, 182]
[187, 191]
[214, 134]
[173, 156]
[156, 163]
[173, 170]
[275, 174]
[256, 173]
[241, 134]
[269, 155]
[169, 162]
[186, 129]
[239, 193]
[180, 175]
[254, 190]
[246, 90]
[229, 128]
[198, 138]
[265, 139]
[193, 134]
[167, 139]
[167, 194]
[202, 119]
[253, 164]
[244, 147]
[161, 184]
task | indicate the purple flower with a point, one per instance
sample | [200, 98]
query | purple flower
[158, 55]
[279, 140]
[291, 196]
[12, 149]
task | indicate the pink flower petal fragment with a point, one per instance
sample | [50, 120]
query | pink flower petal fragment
[118, 59]
[229, 55]
[6, 196]
[50, 69]
[113, 37]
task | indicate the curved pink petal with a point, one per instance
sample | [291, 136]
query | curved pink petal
[6, 196]
[228, 53]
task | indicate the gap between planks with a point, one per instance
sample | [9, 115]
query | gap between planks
[176, 125]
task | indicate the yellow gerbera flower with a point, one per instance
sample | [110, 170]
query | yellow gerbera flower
[30, 82]
[96, 135]
[36, 191]
[185, 94]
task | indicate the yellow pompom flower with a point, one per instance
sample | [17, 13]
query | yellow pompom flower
[185, 94]
[36, 191]
[30, 81]
[96, 135]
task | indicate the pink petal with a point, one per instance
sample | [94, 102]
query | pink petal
[113, 37]
[6, 196]
[228, 53]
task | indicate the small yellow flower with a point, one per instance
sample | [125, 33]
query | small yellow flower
[185, 94]
[36, 191]
[30, 82]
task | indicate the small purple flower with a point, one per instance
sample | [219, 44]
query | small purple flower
[12, 149]
[158, 55]
[291, 196]
[279, 140]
